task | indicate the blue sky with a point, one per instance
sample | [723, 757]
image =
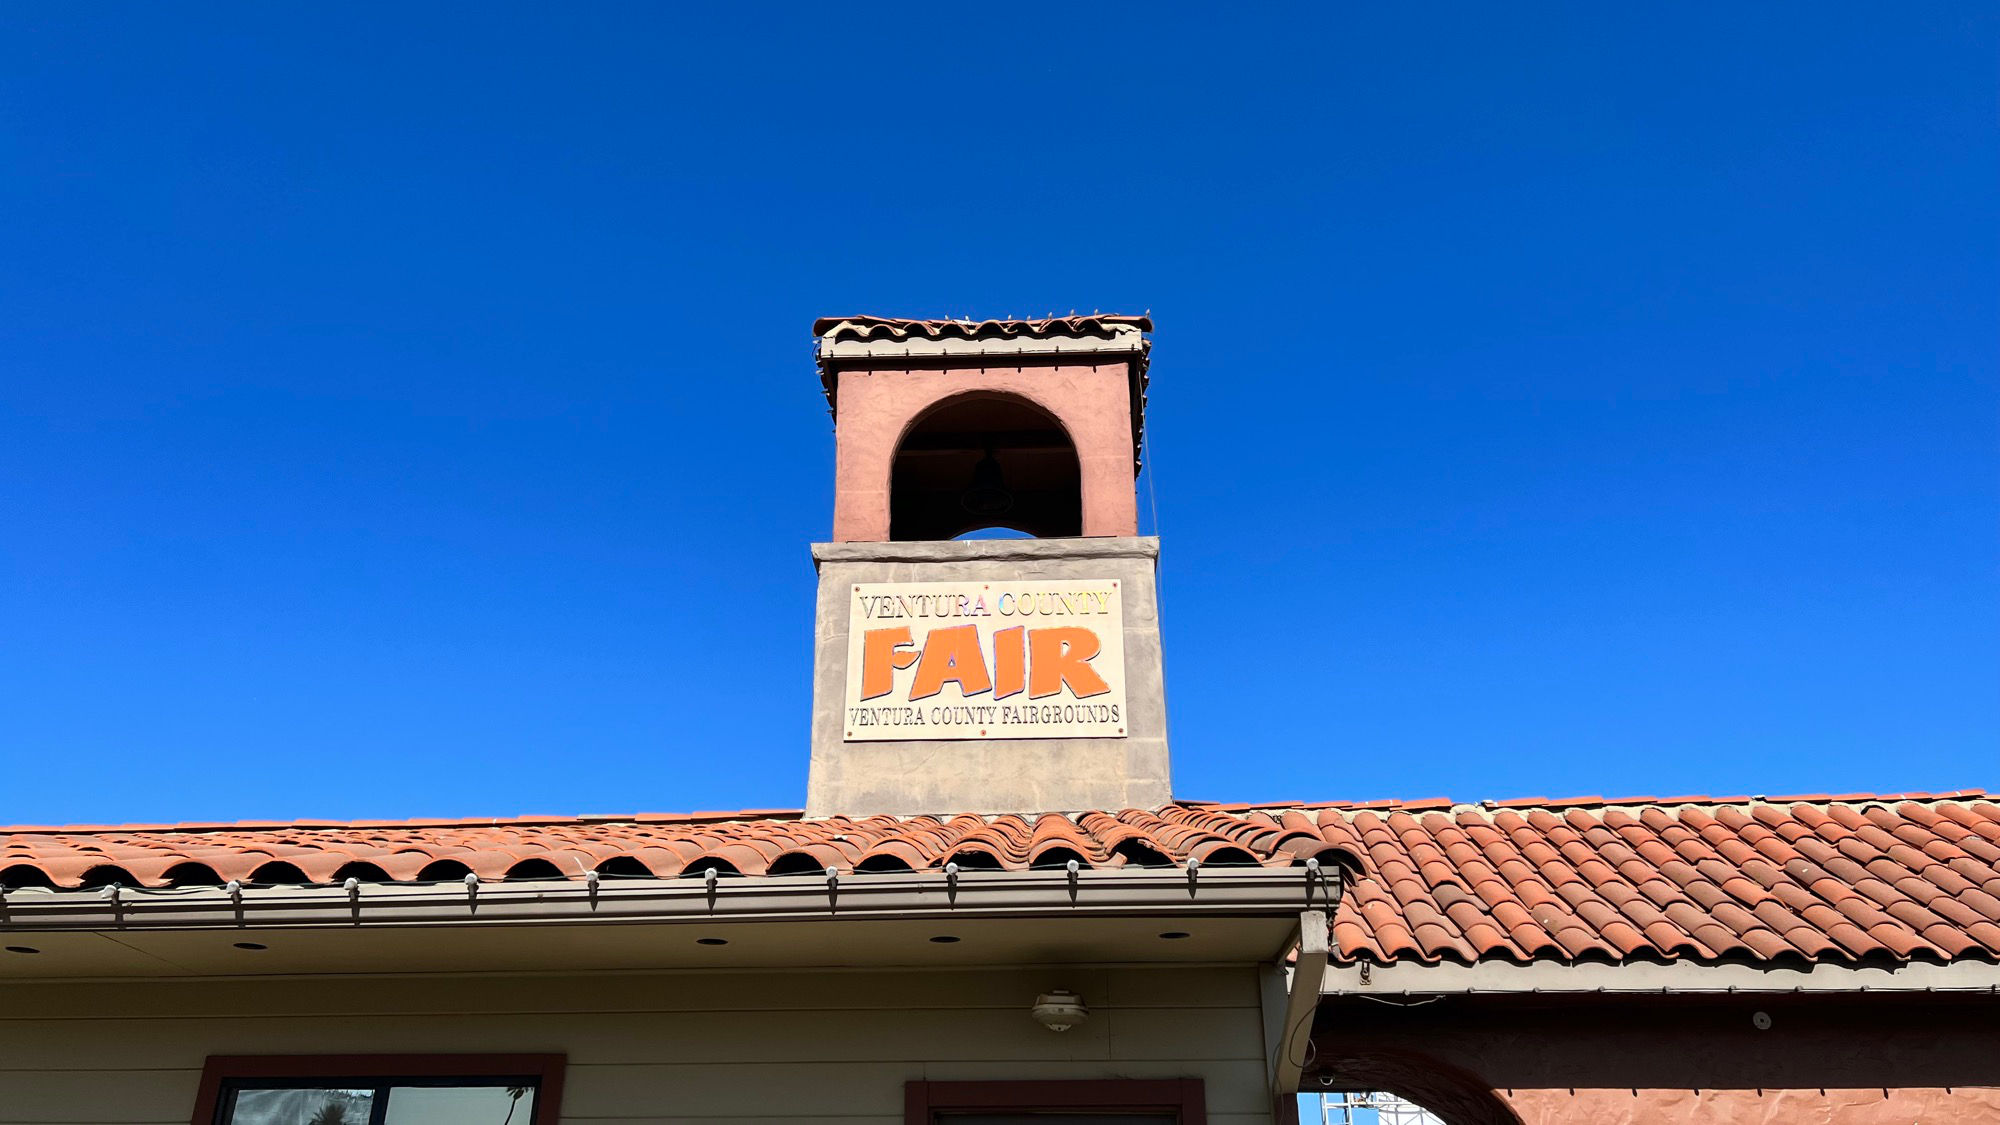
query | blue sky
[404, 410]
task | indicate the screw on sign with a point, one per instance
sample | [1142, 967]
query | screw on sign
[1026, 659]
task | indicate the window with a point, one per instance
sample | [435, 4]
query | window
[380, 1090]
[1175, 1101]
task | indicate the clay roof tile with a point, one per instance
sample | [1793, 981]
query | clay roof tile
[1810, 878]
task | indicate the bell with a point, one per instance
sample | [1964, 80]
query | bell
[988, 495]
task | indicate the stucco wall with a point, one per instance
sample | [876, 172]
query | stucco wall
[1880, 1059]
[1092, 401]
[1963, 1105]
[993, 775]
[681, 1047]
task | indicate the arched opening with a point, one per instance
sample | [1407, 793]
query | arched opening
[443, 871]
[1421, 1088]
[625, 867]
[795, 863]
[882, 863]
[985, 460]
[1056, 858]
[107, 875]
[361, 871]
[1137, 854]
[192, 875]
[534, 869]
[278, 873]
[974, 860]
[1363, 1107]
[25, 875]
[993, 533]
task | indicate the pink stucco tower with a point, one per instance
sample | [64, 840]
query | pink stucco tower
[920, 406]
[991, 675]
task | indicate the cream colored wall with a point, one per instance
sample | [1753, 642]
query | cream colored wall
[671, 1047]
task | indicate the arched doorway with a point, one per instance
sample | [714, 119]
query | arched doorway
[1428, 1085]
[985, 460]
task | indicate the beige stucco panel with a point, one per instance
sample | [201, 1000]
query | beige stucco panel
[1001, 775]
[642, 1047]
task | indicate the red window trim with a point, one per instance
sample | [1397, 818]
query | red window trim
[1183, 1097]
[547, 1070]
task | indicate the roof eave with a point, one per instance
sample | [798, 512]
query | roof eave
[931, 894]
[837, 347]
[1654, 978]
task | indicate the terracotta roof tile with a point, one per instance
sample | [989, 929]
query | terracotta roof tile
[1911, 876]
[869, 331]
[900, 328]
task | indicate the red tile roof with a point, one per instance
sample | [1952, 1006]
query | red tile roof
[891, 328]
[1842, 879]
[899, 328]
[1804, 879]
[661, 846]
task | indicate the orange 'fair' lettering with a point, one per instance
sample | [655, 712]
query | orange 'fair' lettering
[1062, 656]
[1010, 662]
[952, 655]
[881, 655]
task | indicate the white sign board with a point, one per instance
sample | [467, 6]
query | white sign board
[943, 660]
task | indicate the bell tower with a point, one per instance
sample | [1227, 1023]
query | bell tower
[986, 675]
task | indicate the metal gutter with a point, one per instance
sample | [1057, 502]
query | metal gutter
[1389, 982]
[931, 894]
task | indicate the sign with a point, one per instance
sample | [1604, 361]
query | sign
[948, 660]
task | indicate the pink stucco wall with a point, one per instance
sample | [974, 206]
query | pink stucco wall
[1880, 1059]
[876, 407]
[1833, 1106]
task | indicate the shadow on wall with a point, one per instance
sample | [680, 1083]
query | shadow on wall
[1754, 1059]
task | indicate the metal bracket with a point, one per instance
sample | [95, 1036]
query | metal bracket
[1291, 1037]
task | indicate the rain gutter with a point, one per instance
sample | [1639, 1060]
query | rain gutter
[1393, 982]
[1190, 892]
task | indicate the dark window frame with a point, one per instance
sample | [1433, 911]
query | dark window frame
[222, 1072]
[933, 1103]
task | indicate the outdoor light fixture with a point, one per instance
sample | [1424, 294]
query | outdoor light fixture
[1059, 1010]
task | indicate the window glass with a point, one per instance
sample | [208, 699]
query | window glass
[460, 1105]
[302, 1107]
[434, 1103]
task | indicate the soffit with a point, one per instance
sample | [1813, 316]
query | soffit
[830, 943]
